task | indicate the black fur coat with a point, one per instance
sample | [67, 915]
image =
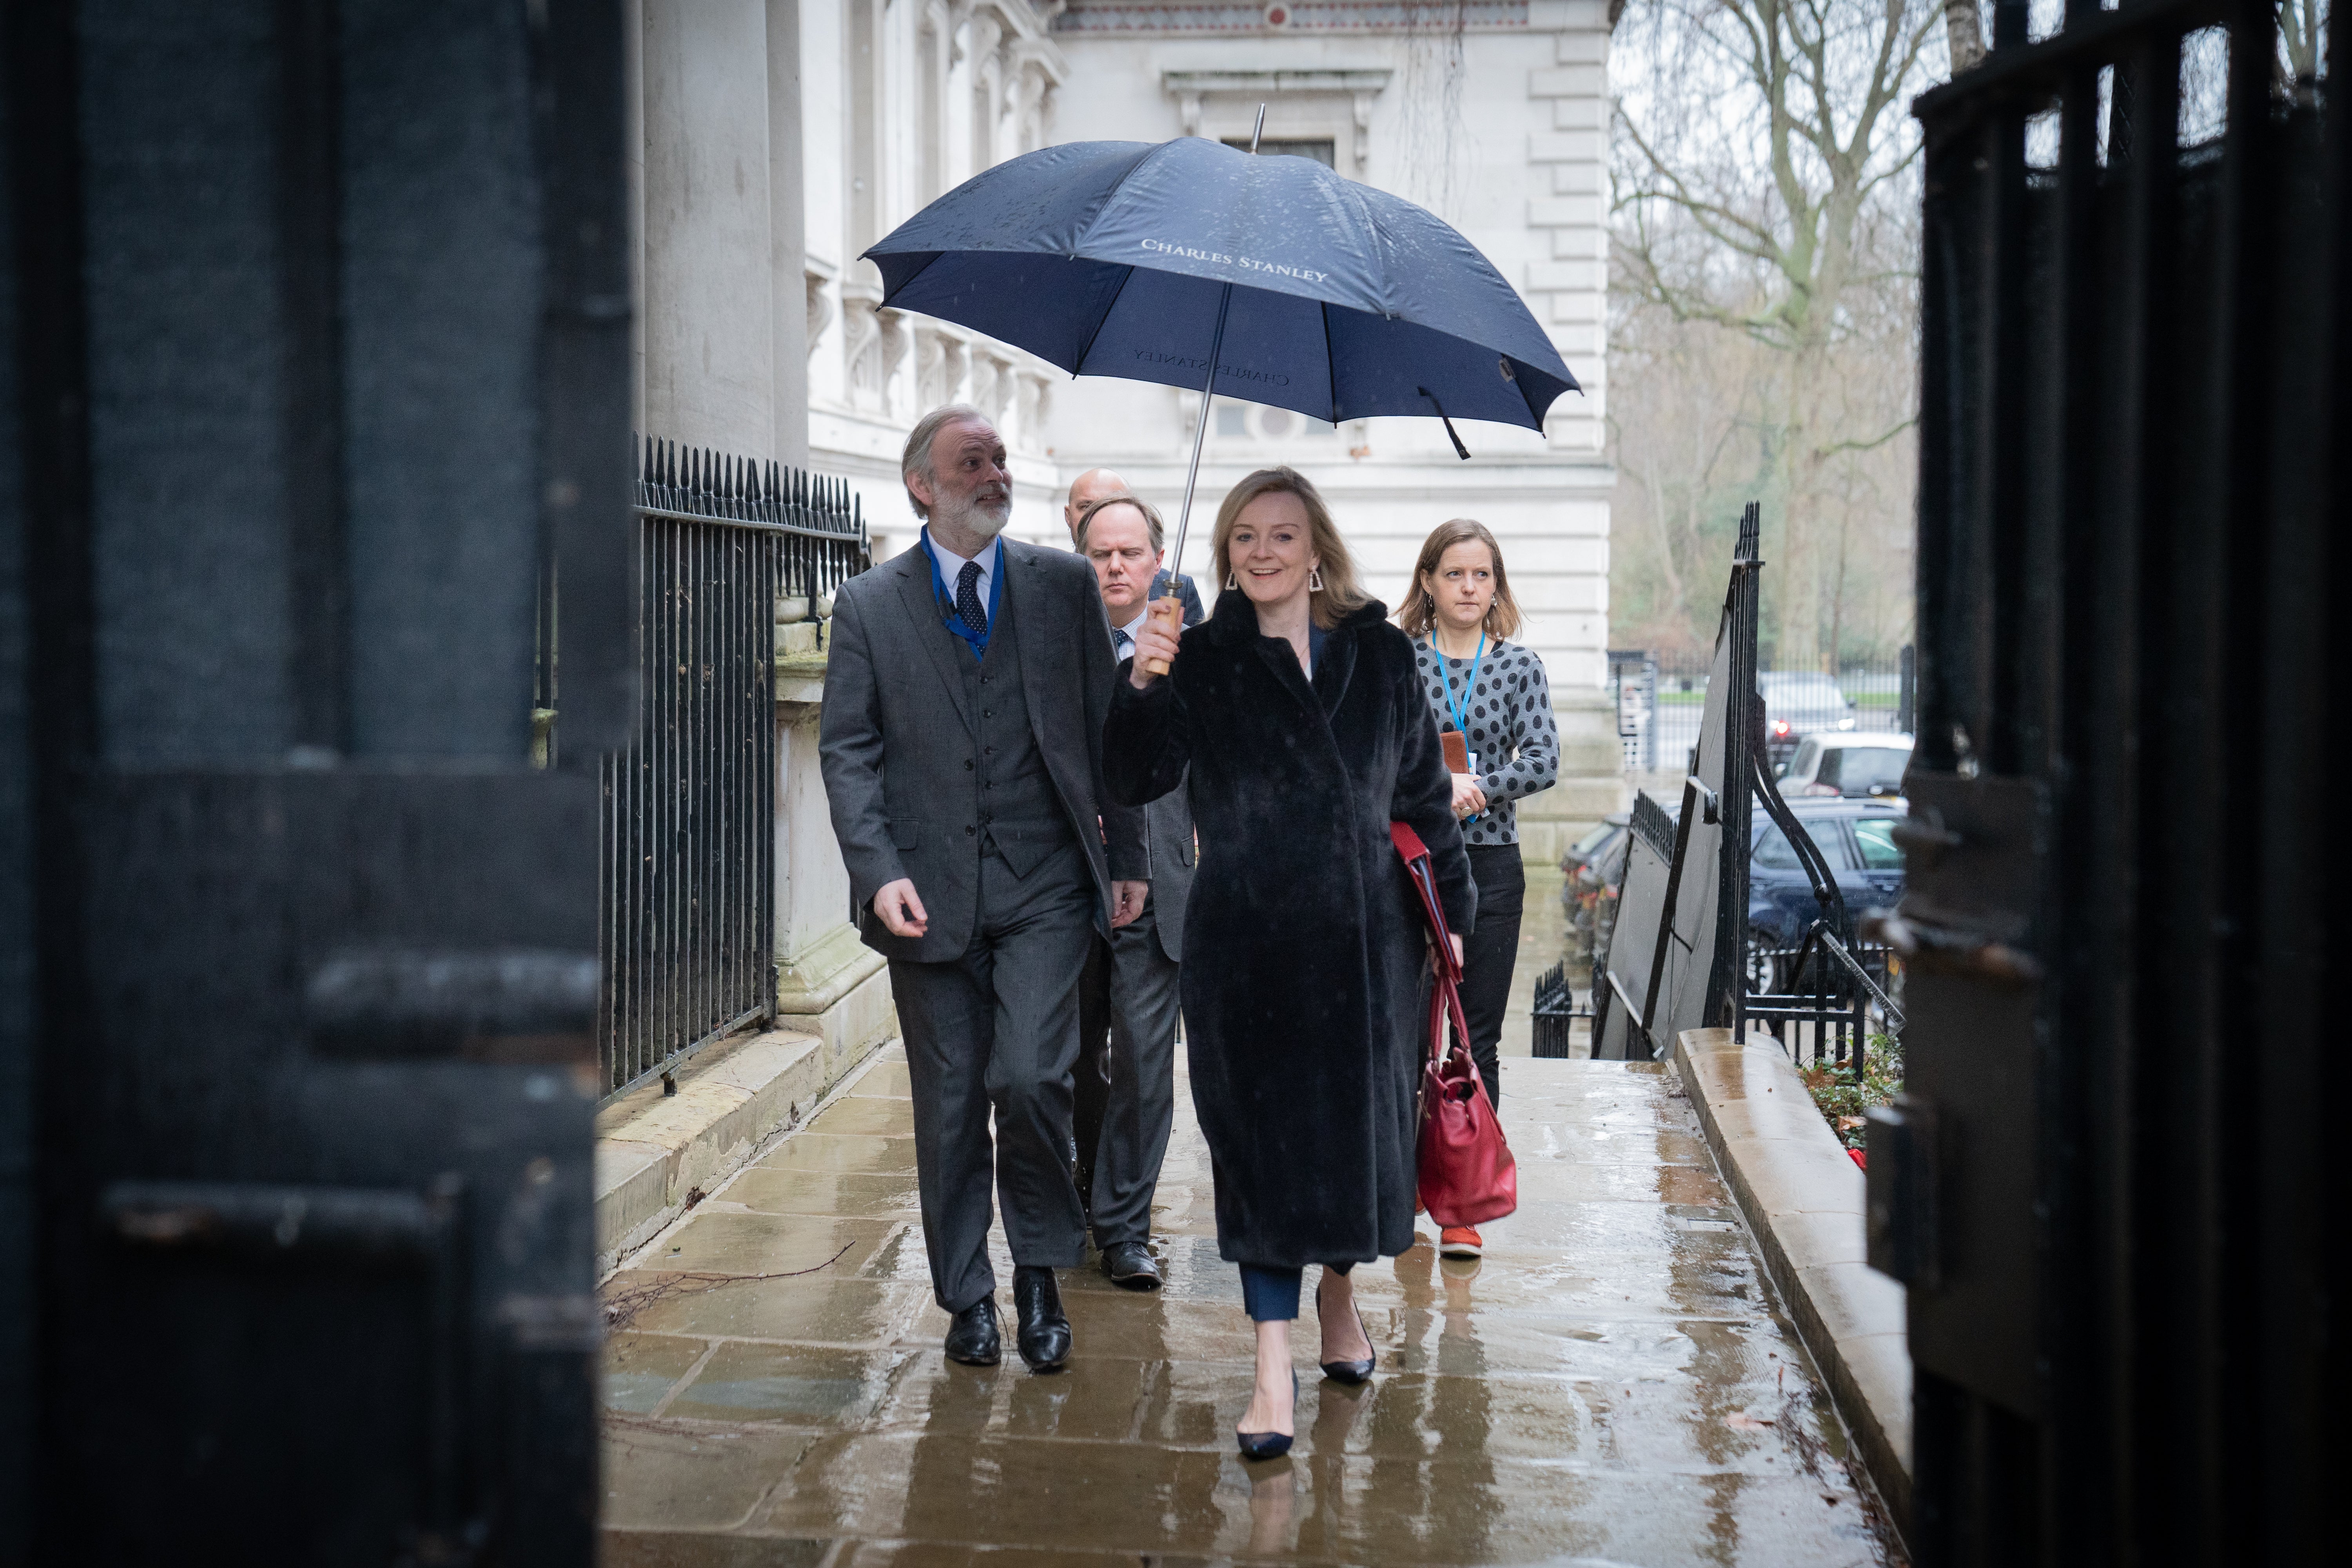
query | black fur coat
[1302, 944]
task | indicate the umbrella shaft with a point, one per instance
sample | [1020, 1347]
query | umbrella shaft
[1199, 433]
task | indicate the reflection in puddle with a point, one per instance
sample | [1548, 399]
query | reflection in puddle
[1570, 1398]
[1273, 1489]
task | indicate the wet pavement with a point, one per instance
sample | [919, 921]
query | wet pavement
[1609, 1384]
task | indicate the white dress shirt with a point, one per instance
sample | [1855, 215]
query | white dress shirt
[951, 566]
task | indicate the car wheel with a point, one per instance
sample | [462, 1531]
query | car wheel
[1763, 969]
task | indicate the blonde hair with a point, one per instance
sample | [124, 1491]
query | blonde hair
[1341, 596]
[1421, 610]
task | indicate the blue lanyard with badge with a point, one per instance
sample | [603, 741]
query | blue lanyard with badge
[953, 619]
[1458, 707]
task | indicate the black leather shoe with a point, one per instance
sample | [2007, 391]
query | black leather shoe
[972, 1337]
[1045, 1336]
[1129, 1264]
[1270, 1445]
[1353, 1371]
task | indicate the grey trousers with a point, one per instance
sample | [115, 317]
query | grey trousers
[1127, 1076]
[996, 1031]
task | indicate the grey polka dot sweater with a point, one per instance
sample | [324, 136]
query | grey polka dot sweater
[1510, 729]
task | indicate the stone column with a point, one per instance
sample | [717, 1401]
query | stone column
[828, 982]
[787, 233]
[1592, 778]
[709, 285]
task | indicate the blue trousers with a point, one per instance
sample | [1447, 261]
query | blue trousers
[1271, 1295]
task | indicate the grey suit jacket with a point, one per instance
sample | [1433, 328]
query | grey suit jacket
[1169, 840]
[896, 737]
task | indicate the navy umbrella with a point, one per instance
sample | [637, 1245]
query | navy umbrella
[1154, 261]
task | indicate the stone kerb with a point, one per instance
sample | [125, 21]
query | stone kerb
[657, 1153]
[1802, 1197]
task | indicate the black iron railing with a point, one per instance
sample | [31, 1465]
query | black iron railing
[1824, 998]
[1553, 1019]
[727, 548]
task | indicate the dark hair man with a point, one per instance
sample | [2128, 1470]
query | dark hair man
[1126, 999]
[961, 745]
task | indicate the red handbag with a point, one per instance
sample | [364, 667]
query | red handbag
[1464, 1166]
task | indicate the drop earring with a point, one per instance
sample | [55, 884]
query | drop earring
[1315, 579]
[1233, 580]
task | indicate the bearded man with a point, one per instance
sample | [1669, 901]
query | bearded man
[966, 687]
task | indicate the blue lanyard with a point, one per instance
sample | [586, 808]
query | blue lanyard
[953, 619]
[1459, 710]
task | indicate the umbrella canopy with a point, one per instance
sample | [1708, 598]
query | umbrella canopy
[1113, 257]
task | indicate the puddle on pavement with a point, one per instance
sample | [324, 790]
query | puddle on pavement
[1609, 1382]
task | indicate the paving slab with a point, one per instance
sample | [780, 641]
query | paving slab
[1612, 1382]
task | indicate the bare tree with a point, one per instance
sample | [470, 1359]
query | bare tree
[1765, 184]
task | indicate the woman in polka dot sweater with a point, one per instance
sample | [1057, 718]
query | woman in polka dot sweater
[1458, 613]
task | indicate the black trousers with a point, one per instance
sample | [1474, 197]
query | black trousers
[1490, 952]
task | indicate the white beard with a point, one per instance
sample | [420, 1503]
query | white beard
[979, 519]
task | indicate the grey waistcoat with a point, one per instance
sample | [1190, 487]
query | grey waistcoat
[1020, 815]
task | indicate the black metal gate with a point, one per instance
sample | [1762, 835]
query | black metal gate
[728, 550]
[314, 335]
[2113, 1183]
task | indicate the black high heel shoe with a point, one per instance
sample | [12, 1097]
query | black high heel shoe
[1354, 1372]
[1270, 1445]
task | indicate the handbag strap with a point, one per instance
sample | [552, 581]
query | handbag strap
[1415, 856]
[1445, 1005]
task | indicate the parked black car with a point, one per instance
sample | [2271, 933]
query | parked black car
[1857, 838]
[1856, 835]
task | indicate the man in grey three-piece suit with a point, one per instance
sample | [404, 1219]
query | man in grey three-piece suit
[965, 689]
[1128, 1005]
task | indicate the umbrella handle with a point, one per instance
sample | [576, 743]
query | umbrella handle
[1168, 610]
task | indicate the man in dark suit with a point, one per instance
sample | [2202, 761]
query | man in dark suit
[1098, 484]
[1126, 1001]
[962, 744]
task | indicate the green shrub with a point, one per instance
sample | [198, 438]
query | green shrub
[1842, 1099]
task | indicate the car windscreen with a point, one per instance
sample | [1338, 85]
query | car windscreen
[1859, 770]
[1774, 852]
[1875, 835]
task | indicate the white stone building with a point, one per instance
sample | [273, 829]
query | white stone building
[782, 137]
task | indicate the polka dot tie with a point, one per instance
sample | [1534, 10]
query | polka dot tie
[968, 598]
[1121, 645]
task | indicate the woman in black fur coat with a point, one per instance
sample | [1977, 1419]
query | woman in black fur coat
[1301, 717]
